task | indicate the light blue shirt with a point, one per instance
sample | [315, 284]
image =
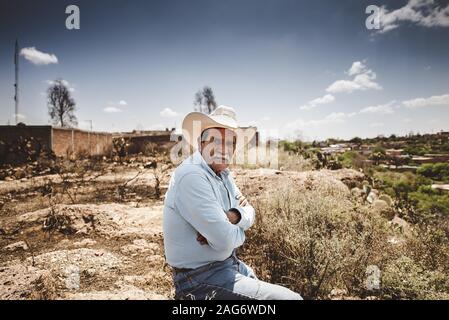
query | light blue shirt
[197, 201]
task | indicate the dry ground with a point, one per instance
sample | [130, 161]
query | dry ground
[100, 237]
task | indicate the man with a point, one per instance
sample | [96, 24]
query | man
[205, 217]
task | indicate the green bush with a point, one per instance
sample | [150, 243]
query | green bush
[435, 171]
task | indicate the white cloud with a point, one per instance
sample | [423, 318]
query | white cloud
[425, 13]
[334, 117]
[123, 103]
[356, 68]
[112, 110]
[38, 57]
[427, 102]
[168, 113]
[380, 109]
[328, 98]
[364, 80]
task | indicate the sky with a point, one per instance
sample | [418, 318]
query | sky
[309, 69]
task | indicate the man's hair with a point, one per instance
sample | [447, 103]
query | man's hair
[205, 134]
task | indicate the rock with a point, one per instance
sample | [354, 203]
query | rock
[122, 292]
[403, 225]
[84, 243]
[139, 246]
[91, 272]
[155, 260]
[72, 277]
[372, 196]
[20, 282]
[67, 265]
[21, 245]
[337, 294]
[108, 220]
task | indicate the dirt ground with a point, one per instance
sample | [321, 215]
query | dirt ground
[100, 237]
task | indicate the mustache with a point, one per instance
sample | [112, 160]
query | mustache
[221, 157]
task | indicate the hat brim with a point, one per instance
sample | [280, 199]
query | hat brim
[195, 123]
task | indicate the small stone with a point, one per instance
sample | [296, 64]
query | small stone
[21, 245]
[84, 243]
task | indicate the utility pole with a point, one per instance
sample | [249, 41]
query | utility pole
[16, 85]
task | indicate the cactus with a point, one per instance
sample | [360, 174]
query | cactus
[387, 199]
[382, 207]
[366, 189]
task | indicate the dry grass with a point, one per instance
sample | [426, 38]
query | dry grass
[319, 241]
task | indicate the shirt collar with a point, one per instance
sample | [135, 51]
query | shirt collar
[198, 159]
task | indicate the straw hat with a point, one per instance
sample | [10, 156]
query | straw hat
[222, 117]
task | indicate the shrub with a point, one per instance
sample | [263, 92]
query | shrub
[319, 241]
[314, 243]
[406, 279]
[436, 171]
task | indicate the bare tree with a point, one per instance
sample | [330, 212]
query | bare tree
[205, 100]
[61, 106]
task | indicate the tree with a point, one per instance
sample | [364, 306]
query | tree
[61, 106]
[205, 100]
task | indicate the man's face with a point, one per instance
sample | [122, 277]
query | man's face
[217, 147]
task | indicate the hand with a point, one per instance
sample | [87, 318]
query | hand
[200, 238]
[233, 216]
[242, 200]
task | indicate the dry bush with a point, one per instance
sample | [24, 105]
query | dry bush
[293, 162]
[320, 239]
[315, 241]
[406, 278]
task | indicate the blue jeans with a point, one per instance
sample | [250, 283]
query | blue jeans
[230, 279]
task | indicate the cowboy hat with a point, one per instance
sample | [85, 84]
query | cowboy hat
[195, 123]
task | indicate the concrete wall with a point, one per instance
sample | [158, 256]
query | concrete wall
[74, 142]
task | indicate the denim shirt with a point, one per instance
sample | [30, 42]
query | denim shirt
[197, 200]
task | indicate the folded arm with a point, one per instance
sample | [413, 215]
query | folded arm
[197, 204]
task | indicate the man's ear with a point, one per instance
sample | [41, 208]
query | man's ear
[199, 144]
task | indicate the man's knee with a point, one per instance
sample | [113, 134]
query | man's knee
[270, 291]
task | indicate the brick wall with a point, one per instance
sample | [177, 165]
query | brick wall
[74, 142]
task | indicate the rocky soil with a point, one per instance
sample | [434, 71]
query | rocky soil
[98, 245]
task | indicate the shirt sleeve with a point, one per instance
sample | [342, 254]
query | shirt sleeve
[196, 202]
[247, 213]
[246, 216]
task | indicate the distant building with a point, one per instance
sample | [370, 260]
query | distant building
[139, 139]
[394, 152]
[444, 187]
[336, 148]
